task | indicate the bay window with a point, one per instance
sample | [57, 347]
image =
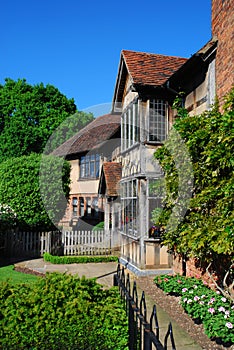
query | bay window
[129, 207]
[130, 126]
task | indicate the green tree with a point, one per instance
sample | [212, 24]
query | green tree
[22, 192]
[206, 231]
[30, 114]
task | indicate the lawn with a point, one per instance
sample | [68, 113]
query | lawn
[8, 273]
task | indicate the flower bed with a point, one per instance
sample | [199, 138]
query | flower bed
[204, 305]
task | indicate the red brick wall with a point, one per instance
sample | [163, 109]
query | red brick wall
[223, 28]
[193, 269]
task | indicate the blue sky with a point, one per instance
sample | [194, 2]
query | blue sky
[75, 45]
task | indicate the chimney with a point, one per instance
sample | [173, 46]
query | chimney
[223, 29]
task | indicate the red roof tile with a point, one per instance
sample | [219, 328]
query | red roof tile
[151, 69]
[112, 172]
[91, 136]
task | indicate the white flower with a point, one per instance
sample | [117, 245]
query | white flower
[224, 299]
[229, 325]
[221, 309]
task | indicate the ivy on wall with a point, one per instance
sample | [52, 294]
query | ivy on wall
[207, 227]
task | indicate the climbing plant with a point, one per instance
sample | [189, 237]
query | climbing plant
[207, 227]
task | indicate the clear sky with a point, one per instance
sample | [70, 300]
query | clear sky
[75, 45]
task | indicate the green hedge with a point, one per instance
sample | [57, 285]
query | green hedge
[61, 312]
[78, 259]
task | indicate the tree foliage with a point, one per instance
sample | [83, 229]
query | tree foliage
[207, 228]
[30, 114]
[21, 190]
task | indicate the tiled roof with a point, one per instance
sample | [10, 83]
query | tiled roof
[151, 69]
[112, 172]
[91, 136]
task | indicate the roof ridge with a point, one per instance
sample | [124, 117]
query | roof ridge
[152, 54]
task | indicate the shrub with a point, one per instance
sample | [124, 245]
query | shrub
[78, 259]
[202, 304]
[99, 226]
[61, 312]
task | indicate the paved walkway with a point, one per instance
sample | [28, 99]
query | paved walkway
[104, 273]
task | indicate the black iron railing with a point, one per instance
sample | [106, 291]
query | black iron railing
[143, 335]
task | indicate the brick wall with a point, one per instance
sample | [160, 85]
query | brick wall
[223, 29]
[192, 269]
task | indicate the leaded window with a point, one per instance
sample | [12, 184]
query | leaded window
[90, 166]
[129, 206]
[130, 126]
[156, 188]
[158, 120]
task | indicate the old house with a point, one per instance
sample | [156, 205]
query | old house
[95, 144]
[145, 88]
[145, 103]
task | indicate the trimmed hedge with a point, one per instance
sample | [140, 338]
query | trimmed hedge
[62, 312]
[78, 259]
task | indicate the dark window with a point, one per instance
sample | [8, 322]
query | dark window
[74, 206]
[88, 206]
[81, 202]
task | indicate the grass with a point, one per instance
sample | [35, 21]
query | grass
[7, 273]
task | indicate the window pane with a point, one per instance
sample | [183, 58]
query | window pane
[129, 207]
[89, 166]
[81, 206]
[157, 120]
[92, 169]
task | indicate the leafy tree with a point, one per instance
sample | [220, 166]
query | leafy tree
[206, 231]
[30, 114]
[22, 191]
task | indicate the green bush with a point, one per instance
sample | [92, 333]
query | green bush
[202, 304]
[78, 259]
[61, 312]
[99, 226]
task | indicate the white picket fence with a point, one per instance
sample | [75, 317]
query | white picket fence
[35, 244]
[86, 242]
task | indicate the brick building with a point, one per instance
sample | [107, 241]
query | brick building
[223, 29]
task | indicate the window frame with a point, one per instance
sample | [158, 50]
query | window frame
[130, 125]
[89, 166]
[157, 198]
[160, 124]
[129, 207]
